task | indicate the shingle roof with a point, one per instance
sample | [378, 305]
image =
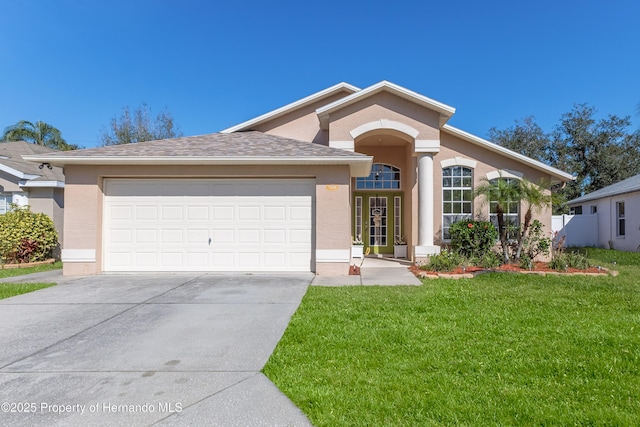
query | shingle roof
[239, 144]
[626, 186]
[239, 148]
[14, 150]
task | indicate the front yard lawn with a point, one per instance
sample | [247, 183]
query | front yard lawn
[12, 289]
[12, 272]
[499, 349]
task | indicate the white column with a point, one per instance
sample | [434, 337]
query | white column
[425, 207]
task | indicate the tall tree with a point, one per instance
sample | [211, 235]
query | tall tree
[598, 152]
[138, 126]
[40, 133]
[525, 137]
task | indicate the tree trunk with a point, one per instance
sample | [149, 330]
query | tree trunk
[523, 235]
[503, 233]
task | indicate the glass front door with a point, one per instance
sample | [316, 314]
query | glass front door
[376, 220]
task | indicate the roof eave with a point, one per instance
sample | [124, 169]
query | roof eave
[561, 176]
[291, 107]
[359, 166]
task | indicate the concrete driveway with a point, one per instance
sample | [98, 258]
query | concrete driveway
[170, 349]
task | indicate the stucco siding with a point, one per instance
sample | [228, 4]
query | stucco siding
[383, 106]
[301, 124]
[8, 183]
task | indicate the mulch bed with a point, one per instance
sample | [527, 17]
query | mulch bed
[540, 267]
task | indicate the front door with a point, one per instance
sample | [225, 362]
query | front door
[377, 220]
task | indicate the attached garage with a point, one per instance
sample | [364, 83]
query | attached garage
[241, 202]
[208, 224]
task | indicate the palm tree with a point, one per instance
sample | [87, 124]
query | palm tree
[500, 191]
[534, 197]
[39, 133]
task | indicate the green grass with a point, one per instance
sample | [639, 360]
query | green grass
[11, 272]
[12, 289]
[500, 349]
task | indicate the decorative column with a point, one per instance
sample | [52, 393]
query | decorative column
[425, 245]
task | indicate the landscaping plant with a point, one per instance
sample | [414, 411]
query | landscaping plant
[26, 236]
[472, 238]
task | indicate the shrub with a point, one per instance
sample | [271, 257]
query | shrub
[473, 239]
[535, 243]
[444, 261]
[569, 260]
[489, 260]
[26, 236]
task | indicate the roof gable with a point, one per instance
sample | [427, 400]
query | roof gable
[628, 185]
[444, 110]
[335, 89]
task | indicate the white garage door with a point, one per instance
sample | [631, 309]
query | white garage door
[207, 225]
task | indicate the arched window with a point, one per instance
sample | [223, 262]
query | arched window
[511, 210]
[382, 177]
[457, 196]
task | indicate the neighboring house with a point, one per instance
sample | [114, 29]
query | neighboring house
[617, 212]
[285, 191]
[24, 183]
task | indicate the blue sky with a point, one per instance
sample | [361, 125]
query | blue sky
[75, 63]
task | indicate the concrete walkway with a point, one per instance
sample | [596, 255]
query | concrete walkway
[374, 271]
[137, 350]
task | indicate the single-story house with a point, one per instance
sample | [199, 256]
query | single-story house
[616, 209]
[25, 183]
[286, 191]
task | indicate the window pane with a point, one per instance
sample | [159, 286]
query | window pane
[446, 172]
[457, 208]
[446, 182]
[466, 195]
[466, 172]
[466, 182]
[446, 208]
[457, 195]
[457, 182]
[466, 208]
[621, 209]
[457, 171]
[621, 227]
[447, 196]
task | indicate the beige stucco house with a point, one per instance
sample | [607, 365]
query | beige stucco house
[24, 183]
[285, 191]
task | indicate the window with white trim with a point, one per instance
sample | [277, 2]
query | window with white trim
[5, 202]
[382, 177]
[511, 212]
[457, 196]
[620, 222]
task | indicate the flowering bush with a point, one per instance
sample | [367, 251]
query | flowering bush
[473, 239]
[26, 236]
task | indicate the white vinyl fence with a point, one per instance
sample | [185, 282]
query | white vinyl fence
[580, 230]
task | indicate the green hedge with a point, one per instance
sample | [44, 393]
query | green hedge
[26, 236]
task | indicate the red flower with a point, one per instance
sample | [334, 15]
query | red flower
[470, 225]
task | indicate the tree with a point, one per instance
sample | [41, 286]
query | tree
[138, 126]
[598, 152]
[525, 137]
[501, 191]
[534, 197]
[40, 133]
